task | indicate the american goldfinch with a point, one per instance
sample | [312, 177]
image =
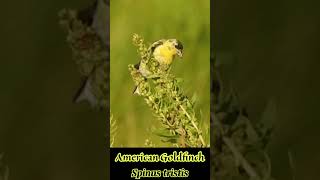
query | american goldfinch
[163, 51]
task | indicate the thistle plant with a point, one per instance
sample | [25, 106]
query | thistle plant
[87, 48]
[162, 92]
[238, 144]
[90, 52]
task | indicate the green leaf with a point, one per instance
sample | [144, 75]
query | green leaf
[164, 133]
[194, 98]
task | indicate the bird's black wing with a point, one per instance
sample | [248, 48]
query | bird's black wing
[137, 65]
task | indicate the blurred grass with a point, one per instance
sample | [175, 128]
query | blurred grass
[42, 133]
[277, 58]
[188, 21]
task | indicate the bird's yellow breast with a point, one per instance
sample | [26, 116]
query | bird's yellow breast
[165, 53]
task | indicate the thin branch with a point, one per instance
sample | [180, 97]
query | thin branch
[245, 164]
[194, 125]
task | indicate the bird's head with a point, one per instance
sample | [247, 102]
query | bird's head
[178, 46]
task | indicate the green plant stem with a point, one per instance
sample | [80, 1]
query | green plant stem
[244, 163]
[194, 125]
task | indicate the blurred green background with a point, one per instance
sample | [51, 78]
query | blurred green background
[43, 134]
[275, 47]
[188, 21]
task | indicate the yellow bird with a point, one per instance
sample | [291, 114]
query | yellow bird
[164, 51]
